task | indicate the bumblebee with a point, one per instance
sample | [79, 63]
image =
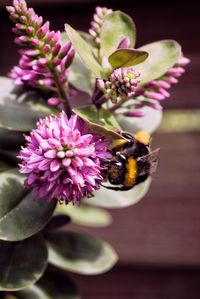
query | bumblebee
[132, 162]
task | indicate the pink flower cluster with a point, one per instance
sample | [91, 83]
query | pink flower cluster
[121, 84]
[63, 160]
[158, 89]
[44, 60]
[96, 24]
[152, 93]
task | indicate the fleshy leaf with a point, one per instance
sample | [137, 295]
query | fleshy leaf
[22, 263]
[80, 253]
[33, 292]
[84, 51]
[162, 55]
[149, 122]
[116, 26]
[100, 122]
[119, 199]
[85, 215]
[80, 76]
[21, 214]
[51, 286]
[127, 57]
[58, 221]
[10, 139]
[18, 115]
[10, 143]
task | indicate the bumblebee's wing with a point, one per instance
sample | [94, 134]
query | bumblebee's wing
[152, 159]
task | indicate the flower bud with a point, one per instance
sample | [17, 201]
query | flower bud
[53, 101]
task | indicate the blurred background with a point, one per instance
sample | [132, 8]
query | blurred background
[158, 239]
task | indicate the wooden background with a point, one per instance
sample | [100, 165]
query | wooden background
[158, 239]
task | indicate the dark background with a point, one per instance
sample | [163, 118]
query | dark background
[158, 239]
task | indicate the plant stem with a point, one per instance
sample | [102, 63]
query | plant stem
[118, 105]
[100, 101]
[63, 95]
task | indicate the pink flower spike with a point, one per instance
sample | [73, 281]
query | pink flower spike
[135, 113]
[42, 47]
[154, 95]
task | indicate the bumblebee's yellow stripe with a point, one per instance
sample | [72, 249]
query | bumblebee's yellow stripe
[118, 143]
[131, 172]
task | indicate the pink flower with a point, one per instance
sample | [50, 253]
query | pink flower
[44, 61]
[63, 159]
[96, 24]
[158, 89]
[154, 92]
[121, 84]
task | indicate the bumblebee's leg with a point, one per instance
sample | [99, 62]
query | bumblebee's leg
[130, 137]
[122, 188]
[122, 157]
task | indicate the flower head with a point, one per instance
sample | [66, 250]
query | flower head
[42, 56]
[121, 84]
[63, 159]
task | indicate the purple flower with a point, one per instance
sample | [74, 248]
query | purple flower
[44, 61]
[96, 24]
[121, 84]
[63, 159]
[153, 92]
[158, 89]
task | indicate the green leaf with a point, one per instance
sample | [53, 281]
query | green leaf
[162, 55]
[9, 156]
[116, 26]
[58, 221]
[33, 292]
[85, 215]
[80, 253]
[119, 199]
[149, 123]
[10, 139]
[127, 57]
[10, 143]
[84, 51]
[80, 76]
[21, 214]
[51, 286]
[18, 115]
[99, 121]
[22, 263]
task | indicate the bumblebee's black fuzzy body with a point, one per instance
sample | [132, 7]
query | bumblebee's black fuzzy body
[132, 163]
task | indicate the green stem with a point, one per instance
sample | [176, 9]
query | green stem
[118, 105]
[63, 94]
